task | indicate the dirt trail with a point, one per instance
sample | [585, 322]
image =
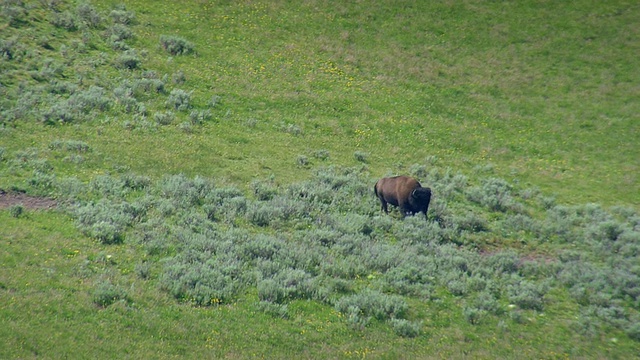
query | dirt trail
[9, 199]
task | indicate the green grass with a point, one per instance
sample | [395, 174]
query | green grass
[540, 94]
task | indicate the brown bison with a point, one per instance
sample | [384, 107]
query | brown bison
[404, 192]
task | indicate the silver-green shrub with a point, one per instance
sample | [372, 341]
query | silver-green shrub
[179, 100]
[176, 45]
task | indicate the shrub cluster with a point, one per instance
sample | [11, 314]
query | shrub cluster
[332, 245]
[53, 97]
[106, 293]
[176, 45]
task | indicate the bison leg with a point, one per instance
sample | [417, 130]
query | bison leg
[404, 210]
[383, 206]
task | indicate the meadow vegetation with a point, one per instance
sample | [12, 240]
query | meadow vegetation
[213, 166]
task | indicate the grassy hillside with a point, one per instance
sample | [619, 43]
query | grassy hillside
[213, 165]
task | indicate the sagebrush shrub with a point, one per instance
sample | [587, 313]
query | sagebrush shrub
[285, 285]
[302, 160]
[164, 118]
[186, 127]
[105, 220]
[143, 270]
[16, 210]
[120, 15]
[107, 186]
[59, 112]
[129, 60]
[106, 293]
[65, 20]
[321, 154]
[201, 282]
[105, 232]
[179, 100]
[504, 262]
[410, 279]
[198, 117]
[15, 12]
[185, 192]
[117, 34]
[70, 145]
[274, 309]
[178, 77]
[264, 189]
[473, 315]
[9, 49]
[486, 301]
[469, 222]
[373, 303]
[361, 156]
[89, 15]
[288, 128]
[356, 319]
[176, 45]
[262, 215]
[494, 194]
[528, 295]
[633, 331]
[144, 86]
[406, 328]
[521, 223]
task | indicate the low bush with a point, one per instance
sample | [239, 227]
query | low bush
[406, 328]
[179, 100]
[188, 277]
[70, 145]
[473, 315]
[274, 309]
[199, 117]
[106, 293]
[373, 303]
[16, 211]
[120, 15]
[527, 294]
[361, 156]
[143, 270]
[65, 20]
[633, 331]
[89, 15]
[128, 60]
[164, 118]
[176, 45]
[117, 34]
[321, 154]
[10, 49]
[285, 285]
[105, 220]
[494, 194]
[302, 160]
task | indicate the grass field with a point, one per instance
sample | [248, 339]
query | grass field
[214, 162]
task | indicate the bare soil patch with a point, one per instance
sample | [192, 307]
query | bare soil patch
[9, 199]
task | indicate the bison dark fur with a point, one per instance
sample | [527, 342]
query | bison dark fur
[404, 192]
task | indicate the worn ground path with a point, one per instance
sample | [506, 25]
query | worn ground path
[9, 199]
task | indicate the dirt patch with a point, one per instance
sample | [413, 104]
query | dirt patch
[9, 199]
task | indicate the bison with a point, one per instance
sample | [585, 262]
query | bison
[404, 192]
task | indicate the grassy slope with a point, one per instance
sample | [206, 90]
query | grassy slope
[548, 101]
